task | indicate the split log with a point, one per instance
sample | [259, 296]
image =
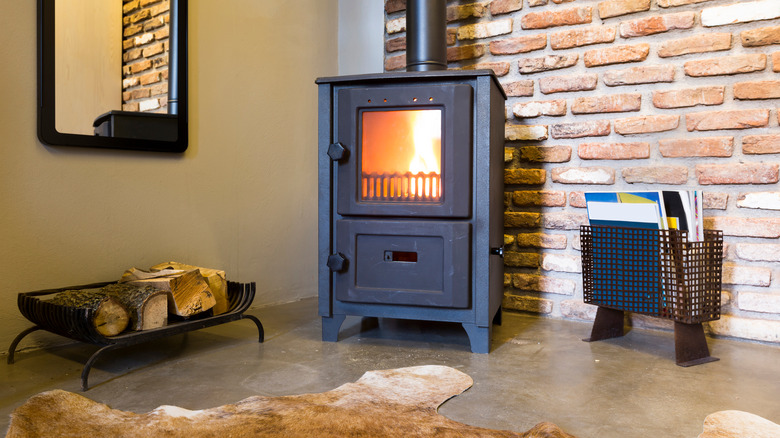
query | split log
[148, 305]
[189, 292]
[215, 278]
[110, 317]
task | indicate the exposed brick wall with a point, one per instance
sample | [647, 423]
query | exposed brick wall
[630, 95]
[145, 55]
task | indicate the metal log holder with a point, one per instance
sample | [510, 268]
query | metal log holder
[75, 323]
[657, 273]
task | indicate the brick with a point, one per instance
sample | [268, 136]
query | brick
[545, 154]
[524, 176]
[132, 106]
[154, 24]
[737, 173]
[713, 42]
[143, 39]
[395, 25]
[528, 304]
[559, 84]
[545, 63]
[519, 219]
[521, 259]
[759, 252]
[746, 275]
[727, 65]
[392, 6]
[614, 103]
[155, 49]
[561, 263]
[646, 124]
[735, 119]
[746, 328]
[755, 302]
[148, 105]
[568, 39]
[395, 44]
[639, 75]
[140, 66]
[656, 175]
[498, 7]
[541, 240]
[539, 108]
[776, 62]
[761, 144]
[763, 36]
[563, 221]
[657, 24]
[591, 128]
[519, 88]
[614, 151]
[162, 33]
[522, 44]
[130, 82]
[507, 279]
[452, 36]
[132, 30]
[141, 16]
[460, 53]
[616, 55]
[583, 175]
[499, 68]
[715, 201]
[554, 18]
[534, 3]
[538, 283]
[485, 29]
[395, 62]
[689, 97]
[539, 198]
[615, 8]
[525, 132]
[132, 55]
[744, 227]
[697, 147]
[509, 154]
[576, 309]
[129, 7]
[672, 3]
[741, 12]
[757, 90]
[461, 12]
[577, 199]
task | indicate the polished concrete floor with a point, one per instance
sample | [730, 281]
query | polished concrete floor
[538, 370]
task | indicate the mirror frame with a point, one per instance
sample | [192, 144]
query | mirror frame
[47, 131]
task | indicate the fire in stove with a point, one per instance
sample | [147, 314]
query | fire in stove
[401, 155]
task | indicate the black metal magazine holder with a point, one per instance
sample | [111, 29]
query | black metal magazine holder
[657, 273]
[75, 323]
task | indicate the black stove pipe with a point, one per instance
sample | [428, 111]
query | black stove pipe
[173, 59]
[426, 35]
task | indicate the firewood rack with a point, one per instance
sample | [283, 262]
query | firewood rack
[657, 273]
[74, 323]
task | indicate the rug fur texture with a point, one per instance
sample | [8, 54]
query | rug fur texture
[389, 403]
[738, 424]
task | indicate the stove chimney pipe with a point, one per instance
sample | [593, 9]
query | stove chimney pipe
[426, 35]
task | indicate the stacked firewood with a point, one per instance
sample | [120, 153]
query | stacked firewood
[143, 300]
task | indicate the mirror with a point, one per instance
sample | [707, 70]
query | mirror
[113, 74]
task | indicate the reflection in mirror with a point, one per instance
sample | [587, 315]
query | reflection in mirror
[113, 73]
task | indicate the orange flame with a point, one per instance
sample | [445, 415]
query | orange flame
[427, 135]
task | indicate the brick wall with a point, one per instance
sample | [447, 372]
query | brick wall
[630, 95]
[145, 55]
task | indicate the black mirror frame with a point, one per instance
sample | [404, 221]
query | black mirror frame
[47, 132]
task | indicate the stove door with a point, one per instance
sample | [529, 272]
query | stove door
[404, 262]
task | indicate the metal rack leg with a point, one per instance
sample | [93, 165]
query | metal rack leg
[608, 324]
[258, 324]
[15, 342]
[690, 345]
[90, 362]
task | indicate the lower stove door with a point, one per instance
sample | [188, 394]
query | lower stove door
[420, 263]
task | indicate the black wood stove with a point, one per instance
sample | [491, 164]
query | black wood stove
[411, 194]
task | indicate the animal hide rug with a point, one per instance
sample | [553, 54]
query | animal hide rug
[391, 403]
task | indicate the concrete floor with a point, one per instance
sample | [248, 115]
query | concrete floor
[538, 370]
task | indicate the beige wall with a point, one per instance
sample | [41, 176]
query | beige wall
[241, 198]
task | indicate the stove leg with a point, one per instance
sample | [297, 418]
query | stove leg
[479, 337]
[690, 345]
[608, 324]
[331, 326]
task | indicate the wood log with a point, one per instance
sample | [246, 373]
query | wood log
[110, 317]
[148, 306]
[189, 292]
[215, 278]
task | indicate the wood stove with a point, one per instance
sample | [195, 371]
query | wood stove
[411, 190]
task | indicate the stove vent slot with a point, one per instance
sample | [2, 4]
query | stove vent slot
[407, 187]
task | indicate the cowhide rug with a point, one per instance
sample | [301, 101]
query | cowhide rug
[390, 403]
[738, 424]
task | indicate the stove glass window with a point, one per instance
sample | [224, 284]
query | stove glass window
[401, 155]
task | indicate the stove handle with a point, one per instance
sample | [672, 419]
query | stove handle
[498, 251]
[337, 262]
[338, 152]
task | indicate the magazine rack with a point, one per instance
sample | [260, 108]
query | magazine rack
[657, 273]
